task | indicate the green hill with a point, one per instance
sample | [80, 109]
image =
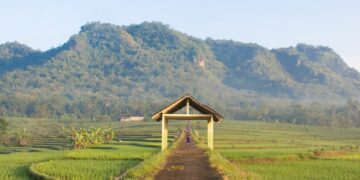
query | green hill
[108, 70]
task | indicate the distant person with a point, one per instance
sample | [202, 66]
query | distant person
[187, 138]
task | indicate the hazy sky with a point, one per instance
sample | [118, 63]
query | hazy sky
[42, 24]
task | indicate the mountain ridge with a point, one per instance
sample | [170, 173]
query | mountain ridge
[139, 67]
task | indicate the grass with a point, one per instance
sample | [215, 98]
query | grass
[113, 152]
[97, 162]
[242, 150]
[50, 155]
[83, 169]
[16, 160]
[15, 165]
[243, 154]
[347, 157]
[308, 169]
[286, 151]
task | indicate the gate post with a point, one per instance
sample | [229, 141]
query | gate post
[164, 132]
[211, 133]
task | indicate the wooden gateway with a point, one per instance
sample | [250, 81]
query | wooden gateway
[205, 113]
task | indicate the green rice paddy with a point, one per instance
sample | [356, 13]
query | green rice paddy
[84, 169]
[264, 150]
[307, 169]
[16, 165]
[52, 156]
[286, 151]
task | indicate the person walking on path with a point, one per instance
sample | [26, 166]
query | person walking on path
[187, 138]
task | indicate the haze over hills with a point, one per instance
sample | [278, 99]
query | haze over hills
[111, 70]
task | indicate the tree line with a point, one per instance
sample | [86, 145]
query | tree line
[315, 113]
[347, 115]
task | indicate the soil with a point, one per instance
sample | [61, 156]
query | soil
[187, 162]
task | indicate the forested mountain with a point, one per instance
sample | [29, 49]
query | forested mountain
[108, 70]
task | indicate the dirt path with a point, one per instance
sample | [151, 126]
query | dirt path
[187, 162]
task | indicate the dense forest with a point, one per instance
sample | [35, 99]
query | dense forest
[106, 71]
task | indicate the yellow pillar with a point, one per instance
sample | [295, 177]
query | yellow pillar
[211, 133]
[164, 132]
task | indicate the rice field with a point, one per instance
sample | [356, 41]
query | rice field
[307, 169]
[50, 155]
[84, 168]
[264, 150]
[114, 152]
[286, 151]
[16, 165]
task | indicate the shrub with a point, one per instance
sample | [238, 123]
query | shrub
[23, 137]
[3, 127]
[82, 138]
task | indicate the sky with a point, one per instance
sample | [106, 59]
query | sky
[43, 24]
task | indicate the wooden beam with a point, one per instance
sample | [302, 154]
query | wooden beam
[187, 116]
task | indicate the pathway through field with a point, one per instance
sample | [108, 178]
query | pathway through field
[187, 162]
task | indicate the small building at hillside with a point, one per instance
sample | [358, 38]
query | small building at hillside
[131, 118]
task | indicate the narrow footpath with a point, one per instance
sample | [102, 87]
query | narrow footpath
[187, 162]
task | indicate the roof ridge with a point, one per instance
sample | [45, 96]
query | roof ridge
[180, 103]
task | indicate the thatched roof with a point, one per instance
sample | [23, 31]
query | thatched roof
[181, 102]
